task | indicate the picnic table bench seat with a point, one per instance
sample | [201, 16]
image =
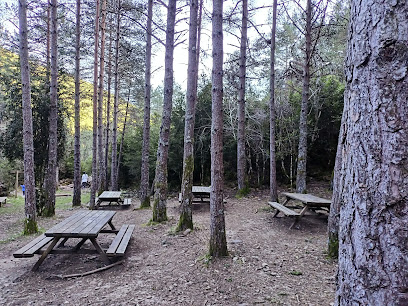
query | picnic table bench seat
[121, 241]
[285, 210]
[32, 247]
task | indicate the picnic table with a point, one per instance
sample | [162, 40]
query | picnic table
[85, 225]
[200, 192]
[112, 197]
[308, 202]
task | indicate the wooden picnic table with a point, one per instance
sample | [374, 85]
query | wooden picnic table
[201, 192]
[86, 224]
[111, 197]
[308, 202]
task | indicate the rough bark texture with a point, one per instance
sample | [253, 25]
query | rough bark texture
[94, 182]
[302, 149]
[241, 158]
[101, 159]
[108, 106]
[123, 135]
[373, 238]
[186, 215]
[218, 240]
[273, 188]
[114, 160]
[30, 223]
[160, 194]
[50, 183]
[144, 180]
[76, 200]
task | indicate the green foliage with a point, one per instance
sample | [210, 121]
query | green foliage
[243, 192]
[333, 246]
[30, 227]
[294, 272]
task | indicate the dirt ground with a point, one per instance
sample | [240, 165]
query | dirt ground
[268, 263]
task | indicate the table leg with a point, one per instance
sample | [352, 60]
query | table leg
[277, 211]
[100, 251]
[111, 225]
[45, 254]
[62, 243]
[303, 211]
[78, 246]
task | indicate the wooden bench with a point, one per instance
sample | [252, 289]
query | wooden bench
[121, 241]
[33, 247]
[3, 200]
[283, 209]
[127, 201]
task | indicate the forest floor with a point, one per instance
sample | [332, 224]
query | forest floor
[268, 263]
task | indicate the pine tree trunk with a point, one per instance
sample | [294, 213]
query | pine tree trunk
[218, 240]
[30, 222]
[123, 135]
[241, 158]
[101, 159]
[108, 106]
[76, 200]
[114, 160]
[50, 178]
[186, 215]
[144, 180]
[94, 182]
[273, 188]
[160, 195]
[302, 149]
[373, 239]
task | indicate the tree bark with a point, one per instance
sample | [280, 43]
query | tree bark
[114, 160]
[76, 200]
[123, 135]
[30, 222]
[241, 158]
[144, 180]
[186, 214]
[101, 159]
[373, 240]
[302, 149]
[50, 183]
[94, 182]
[273, 188]
[218, 240]
[108, 106]
[160, 195]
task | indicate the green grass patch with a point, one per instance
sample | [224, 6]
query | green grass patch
[297, 273]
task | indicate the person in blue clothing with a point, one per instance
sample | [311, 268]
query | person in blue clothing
[23, 188]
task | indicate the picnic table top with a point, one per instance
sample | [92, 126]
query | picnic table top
[201, 189]
[307, 199]
[110, 195]
[85, 223]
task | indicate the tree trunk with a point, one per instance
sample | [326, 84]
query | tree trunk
[94, 182]
[101, 159]
[30, 222]
[273, 188]
[241, 158]
[302, 149]
[123, 135]
[334, 217]
[160, 195]
[144, 180]
[108, 105]
[373, 240]
[186, 215]
[114, 160]
[218, 240]
[50, 178]
[76, 200]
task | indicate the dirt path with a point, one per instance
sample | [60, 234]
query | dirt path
[268, 263]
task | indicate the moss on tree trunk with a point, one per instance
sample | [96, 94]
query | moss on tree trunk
[30, 227]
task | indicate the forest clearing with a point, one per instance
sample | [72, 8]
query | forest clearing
[268, 263]
[258, 103]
